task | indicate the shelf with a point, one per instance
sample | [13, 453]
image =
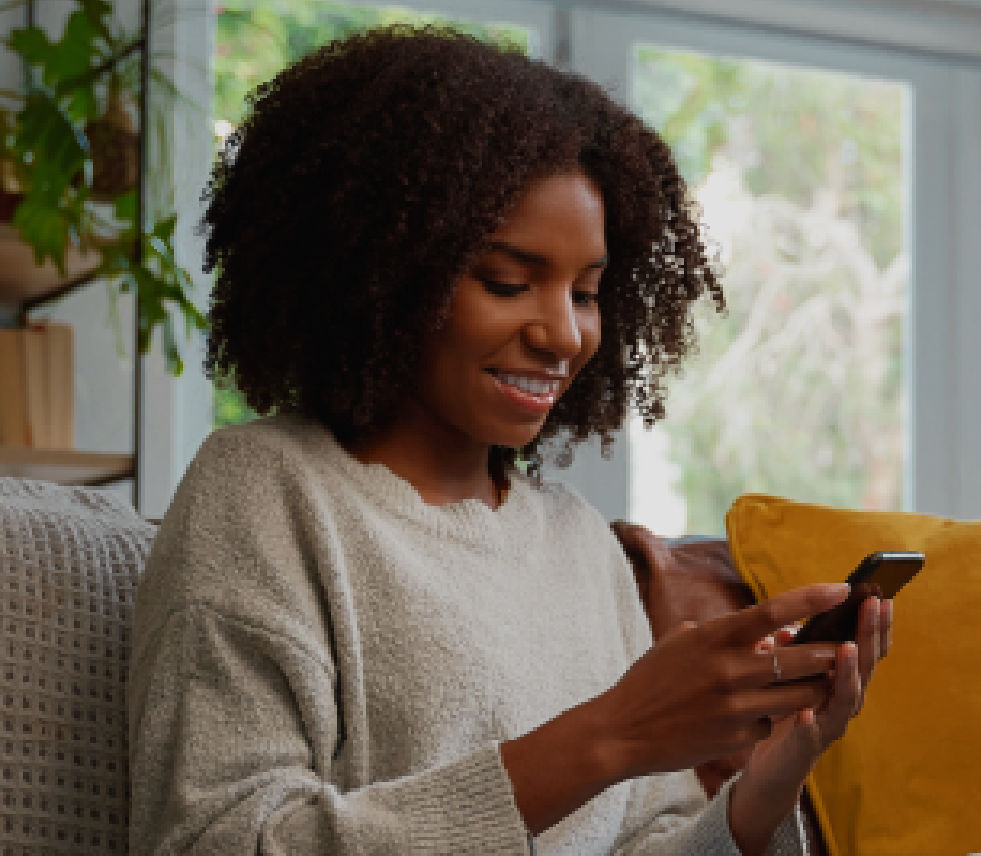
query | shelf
[65, 466]
[21, 281]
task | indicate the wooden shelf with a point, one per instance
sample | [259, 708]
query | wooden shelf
[21, 281]
[65, 466]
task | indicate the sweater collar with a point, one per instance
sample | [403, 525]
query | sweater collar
[468, 519]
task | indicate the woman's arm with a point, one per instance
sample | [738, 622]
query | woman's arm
[558, 767]
[774, 773]
[710, 587]
[236, 749]
[702, 692]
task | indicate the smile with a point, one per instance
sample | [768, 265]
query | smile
[529, 384]
[533, 396]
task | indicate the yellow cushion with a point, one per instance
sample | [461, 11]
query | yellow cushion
[905, 780]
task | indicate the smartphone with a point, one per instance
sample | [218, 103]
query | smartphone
[880, 574]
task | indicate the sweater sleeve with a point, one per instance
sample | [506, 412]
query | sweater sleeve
[680, 831]
[236, 721]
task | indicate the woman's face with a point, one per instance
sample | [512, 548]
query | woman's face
[524, 320]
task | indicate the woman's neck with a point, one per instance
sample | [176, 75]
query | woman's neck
[440, 472]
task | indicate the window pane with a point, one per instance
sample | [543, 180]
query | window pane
[799, 389]
[255, 39]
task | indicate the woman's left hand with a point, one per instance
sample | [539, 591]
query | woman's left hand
[772, 779]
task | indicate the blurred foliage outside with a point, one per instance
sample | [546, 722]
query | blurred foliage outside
[797, 389]
[255, 39]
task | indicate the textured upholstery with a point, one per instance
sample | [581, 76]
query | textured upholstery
[69, 562]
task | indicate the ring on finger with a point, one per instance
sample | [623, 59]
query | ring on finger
[777, 671]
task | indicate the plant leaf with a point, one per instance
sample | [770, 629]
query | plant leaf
[45, 228]
[82, 103]
[172, 355]
[31, 43]
[164, 228]
[125, 213]
[98, 12]
[44, 130]
[71, 56]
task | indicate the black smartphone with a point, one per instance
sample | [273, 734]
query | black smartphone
[880, 574]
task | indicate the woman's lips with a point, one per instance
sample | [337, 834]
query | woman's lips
[532, 394]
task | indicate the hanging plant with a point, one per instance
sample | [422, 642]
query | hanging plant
[114, 145]
[69, 143]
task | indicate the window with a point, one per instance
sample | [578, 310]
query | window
[925, 448]
[800, 388]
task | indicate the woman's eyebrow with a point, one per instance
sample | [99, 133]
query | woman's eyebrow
[532, 258]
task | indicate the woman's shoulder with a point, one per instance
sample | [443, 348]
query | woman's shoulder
[567, 515]
[237, 527]
[247, 477]
[562, 499]
[267, 437]
[256, 456]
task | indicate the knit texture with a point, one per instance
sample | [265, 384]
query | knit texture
[323, 663]
[69, 563]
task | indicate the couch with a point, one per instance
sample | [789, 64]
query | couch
[70, 560]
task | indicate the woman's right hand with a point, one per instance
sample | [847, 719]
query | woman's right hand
[707, 691]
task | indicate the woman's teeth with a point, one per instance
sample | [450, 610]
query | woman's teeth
[529, 384]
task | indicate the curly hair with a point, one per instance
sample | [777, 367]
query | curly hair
[365, 180]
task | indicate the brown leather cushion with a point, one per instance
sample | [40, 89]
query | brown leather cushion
[695, 580]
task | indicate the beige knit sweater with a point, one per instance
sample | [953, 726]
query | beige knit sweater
[324, 664]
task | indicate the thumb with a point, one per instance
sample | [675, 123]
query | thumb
[808, 733]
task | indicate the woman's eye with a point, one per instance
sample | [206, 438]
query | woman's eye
[503, 289]
[585, 298]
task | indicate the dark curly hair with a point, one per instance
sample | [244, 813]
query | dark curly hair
[365, 180]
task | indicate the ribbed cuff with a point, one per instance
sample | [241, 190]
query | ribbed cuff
[464, 807]
[711, 832]
[788, 838]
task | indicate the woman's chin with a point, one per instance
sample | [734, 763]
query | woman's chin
[517, 437]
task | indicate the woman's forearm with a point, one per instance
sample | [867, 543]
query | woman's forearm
[558, 767]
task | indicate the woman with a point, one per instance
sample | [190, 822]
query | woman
[363, 629]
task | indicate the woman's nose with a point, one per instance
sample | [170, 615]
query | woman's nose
[555, 328]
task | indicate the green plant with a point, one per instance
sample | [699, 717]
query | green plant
[69, 84]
